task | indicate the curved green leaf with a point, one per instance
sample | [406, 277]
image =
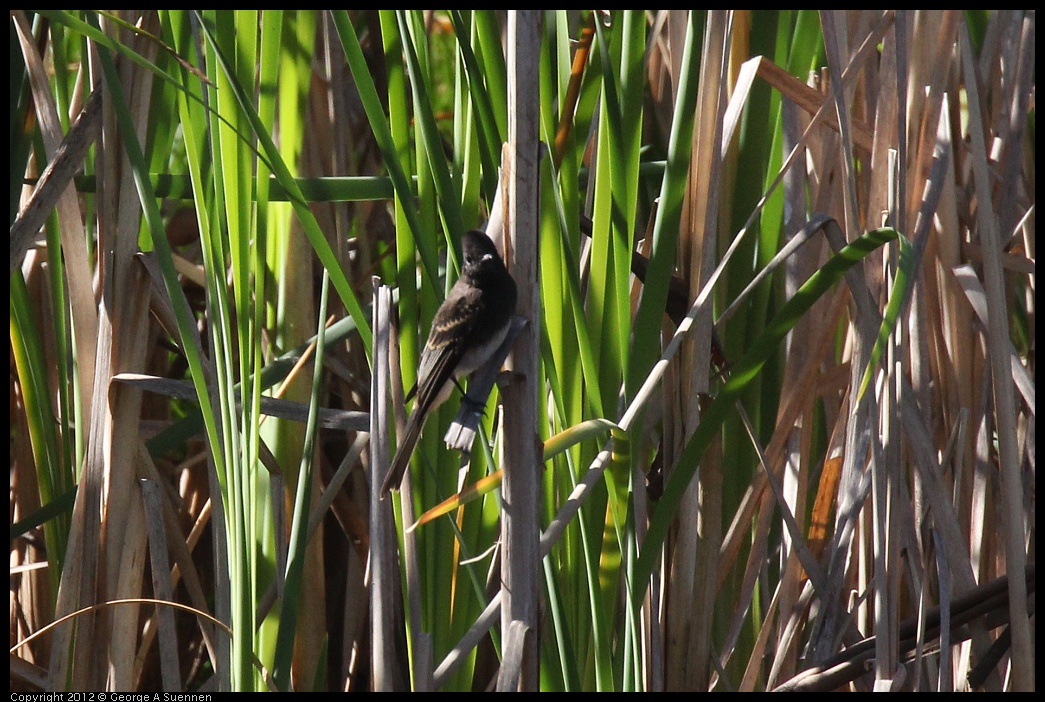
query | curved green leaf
[743, 373]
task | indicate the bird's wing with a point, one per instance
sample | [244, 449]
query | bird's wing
[451, 333]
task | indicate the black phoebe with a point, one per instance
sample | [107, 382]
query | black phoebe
[468, 327]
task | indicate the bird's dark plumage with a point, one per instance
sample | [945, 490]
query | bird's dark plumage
[468, 327]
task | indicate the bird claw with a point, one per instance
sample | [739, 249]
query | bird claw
[473, 406]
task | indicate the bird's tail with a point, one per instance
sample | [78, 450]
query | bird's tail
[401, 460]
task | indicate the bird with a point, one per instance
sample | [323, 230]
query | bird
[467, 329]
